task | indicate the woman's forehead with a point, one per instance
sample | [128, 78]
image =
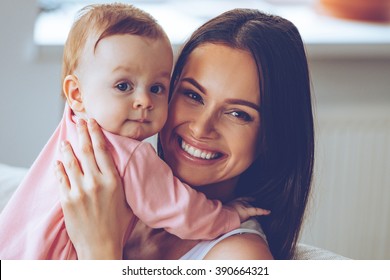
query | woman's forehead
[217, 67]
[219, 56]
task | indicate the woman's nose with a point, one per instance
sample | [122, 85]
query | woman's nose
[143, 101]
[203, 126]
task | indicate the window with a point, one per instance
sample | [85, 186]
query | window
[179, 18]
[322, 34]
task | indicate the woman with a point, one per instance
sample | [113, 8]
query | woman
[240, 91]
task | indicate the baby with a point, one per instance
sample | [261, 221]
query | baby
[116, 70]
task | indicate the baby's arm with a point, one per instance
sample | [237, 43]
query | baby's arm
[160, 200]
[245, 210]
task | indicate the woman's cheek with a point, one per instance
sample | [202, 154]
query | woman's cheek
[176, 114]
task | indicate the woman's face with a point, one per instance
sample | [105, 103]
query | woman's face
[211, 135]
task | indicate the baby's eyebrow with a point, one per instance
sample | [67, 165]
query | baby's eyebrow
[166, 75]
[243, 102]
[121, 68]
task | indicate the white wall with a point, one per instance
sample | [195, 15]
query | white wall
[31, 108]
[350, 208]
[29, 89]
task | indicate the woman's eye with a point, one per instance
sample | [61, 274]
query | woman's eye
[241, 116]
[194, 96]
[124, 86]
[156, 89]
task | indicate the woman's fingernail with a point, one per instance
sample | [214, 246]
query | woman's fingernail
[63, 144]
[80, 122]
[56, 164]
[90, 122]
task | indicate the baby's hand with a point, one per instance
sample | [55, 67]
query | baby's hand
[245, 210]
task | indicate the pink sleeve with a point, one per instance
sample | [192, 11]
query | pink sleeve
[160, 200]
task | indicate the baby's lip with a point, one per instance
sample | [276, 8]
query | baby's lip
[141, 120]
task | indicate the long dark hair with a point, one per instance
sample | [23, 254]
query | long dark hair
[280, 178]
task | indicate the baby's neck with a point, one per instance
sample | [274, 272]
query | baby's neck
[78, 116]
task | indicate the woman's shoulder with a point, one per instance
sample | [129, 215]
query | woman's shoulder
[248, 246]
[246, 242]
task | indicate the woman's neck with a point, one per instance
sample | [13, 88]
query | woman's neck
[223, 191]
[148, 243]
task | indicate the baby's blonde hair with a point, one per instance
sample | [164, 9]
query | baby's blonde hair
[101, 21]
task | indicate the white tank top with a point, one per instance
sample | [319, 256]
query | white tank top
[200, 250]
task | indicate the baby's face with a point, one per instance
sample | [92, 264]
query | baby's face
[124, 85]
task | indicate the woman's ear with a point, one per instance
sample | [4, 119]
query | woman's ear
[71, 88]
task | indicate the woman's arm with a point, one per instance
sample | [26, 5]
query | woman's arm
[92, 197]
[246, 246]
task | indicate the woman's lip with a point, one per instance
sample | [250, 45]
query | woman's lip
[198, 145]
[211, 157]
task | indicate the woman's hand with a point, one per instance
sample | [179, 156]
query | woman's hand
[92, 196]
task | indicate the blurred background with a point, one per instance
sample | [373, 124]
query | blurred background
[348, 47]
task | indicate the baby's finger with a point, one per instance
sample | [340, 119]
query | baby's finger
[87, 156]
[246, 199]
[243, 202]
[260, 211]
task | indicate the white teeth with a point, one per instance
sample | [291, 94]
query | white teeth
[190, 150]
[196, 152]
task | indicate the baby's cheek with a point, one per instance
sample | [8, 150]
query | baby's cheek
[110, 119]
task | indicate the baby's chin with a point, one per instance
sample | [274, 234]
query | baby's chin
[138, 134]
[134, 130]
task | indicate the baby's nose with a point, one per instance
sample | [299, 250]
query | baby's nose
[143, 101]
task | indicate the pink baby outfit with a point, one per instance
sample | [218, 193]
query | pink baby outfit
[32, 224]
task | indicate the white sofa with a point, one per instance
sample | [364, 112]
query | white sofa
[10, 178]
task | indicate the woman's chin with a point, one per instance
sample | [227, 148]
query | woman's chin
[193, 170]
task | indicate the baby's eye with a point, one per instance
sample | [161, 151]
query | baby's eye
[194, 96]
[124, 86]
[156, 89]
[241, 115]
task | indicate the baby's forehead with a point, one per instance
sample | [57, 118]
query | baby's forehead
[93, 41]
[88, 50]
[128, 51]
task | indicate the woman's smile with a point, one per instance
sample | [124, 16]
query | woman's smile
[198, 152]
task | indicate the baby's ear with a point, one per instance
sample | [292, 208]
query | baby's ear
[71, 88]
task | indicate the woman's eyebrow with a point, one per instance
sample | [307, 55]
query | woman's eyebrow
[229, 101]
[243, 102]
[195, 84]
[162, 74]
